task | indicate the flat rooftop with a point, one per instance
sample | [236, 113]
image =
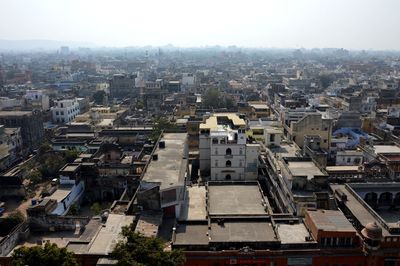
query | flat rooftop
[110, 233]
[242, 231]
[212, 122]
[386, 149]
[307, 168]
[292, 233]
[285, 150]
[341, 168]
[61, 193]
[170, 167]
[194, 207]
[149, 223]
[191, 234]
[236, 200]
[330, 220]
[14, 113]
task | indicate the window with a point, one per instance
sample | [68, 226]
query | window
[272, 137]
[216, 151]
[228, 177]
[228, 151]
[357, 160]
[57, 113]
[348, 160]
[241, 151]
[216, 163]
[325, 141]
[62, 112]
[62, 105]
[215, 141]
[228, 163]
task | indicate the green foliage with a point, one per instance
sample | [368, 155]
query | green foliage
[140, 250]
[213, 99]
[44, 147]
[71, 155]
[50, 254]
[50, 164]
[160, 124]
[73, 210]
[98, 97]
[35, 176]
[96, 208]
[9, 222]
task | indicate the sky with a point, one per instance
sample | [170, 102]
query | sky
[350, 24]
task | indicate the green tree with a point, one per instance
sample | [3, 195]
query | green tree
[211, 98]
[160, 124]
[138, 249]
[98, 97]
[71, 155]
[35, 176]
[50, 164]
[96, 208]
[50, 254]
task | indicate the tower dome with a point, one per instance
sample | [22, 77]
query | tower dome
[372, 231]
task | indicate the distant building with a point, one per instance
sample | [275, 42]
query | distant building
[37, 99]
[122, 86]
[31, 124]
[65, 111]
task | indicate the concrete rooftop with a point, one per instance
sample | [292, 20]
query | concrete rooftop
[169, 169]
[236, 200]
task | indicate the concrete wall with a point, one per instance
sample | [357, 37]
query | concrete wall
[57, 223]
[8, 243]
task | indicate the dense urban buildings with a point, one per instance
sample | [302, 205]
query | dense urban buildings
[234, 156]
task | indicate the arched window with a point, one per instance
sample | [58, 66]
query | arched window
[228, 151]
[228, 163]
[228, 177]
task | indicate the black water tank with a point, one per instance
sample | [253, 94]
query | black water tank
[161, 144]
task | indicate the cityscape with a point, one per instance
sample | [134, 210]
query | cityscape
[235, 154]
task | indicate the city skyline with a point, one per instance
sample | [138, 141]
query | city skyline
[358, 25]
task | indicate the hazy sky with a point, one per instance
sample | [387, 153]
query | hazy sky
[352, 24]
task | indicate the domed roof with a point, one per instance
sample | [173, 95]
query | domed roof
[372, 231]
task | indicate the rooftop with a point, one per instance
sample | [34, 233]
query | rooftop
[292, 233]
[61, 193]
[330, 220]
[194, 207]
[212, 122]
[386, 149]
[169, 169]
[304, 168]
[110, 233]
[236, 200]
[242, 231]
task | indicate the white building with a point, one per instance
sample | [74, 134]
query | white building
[37, 99]
[9, 103]
[224, 151]
[65, 111]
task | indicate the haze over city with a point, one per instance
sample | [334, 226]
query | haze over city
[356, 24]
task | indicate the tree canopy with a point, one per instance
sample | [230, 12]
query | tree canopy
[49, 254]
[99, 96]
[137, 250]
[212, 98]
[160, 124]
